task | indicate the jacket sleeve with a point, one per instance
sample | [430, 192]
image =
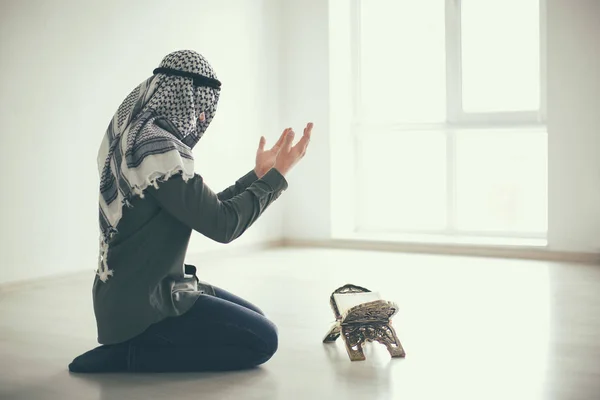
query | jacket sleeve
[196, 205]
[240, 185]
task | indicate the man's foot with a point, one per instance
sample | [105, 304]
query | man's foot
[107, 358]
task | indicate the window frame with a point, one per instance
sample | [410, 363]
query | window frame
[456, 116]
[457, 119]
[454, 108]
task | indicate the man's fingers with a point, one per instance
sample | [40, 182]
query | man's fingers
[281, 139]
[303, 143]
[261, 143]
[308, 129]
[289, 139]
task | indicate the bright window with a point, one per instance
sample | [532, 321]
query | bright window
[501, 181]
[448, 117]
[500, 46]
[402, 183]
[402, 62]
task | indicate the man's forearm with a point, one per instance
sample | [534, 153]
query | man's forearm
[240, 185]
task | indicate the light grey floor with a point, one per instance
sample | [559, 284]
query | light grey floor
[472, 329]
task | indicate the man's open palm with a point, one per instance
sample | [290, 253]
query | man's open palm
[265, 159]
[289, 155]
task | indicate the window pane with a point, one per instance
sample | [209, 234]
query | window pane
[402, 61]
[500, 55]
[401, 181]
[502, 181]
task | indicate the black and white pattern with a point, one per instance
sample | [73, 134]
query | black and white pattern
[150, 138]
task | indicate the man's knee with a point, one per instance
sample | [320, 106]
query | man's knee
[270, 343]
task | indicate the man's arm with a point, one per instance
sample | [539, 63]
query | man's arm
[240, 185]
[196, 205]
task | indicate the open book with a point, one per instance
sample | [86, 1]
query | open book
[346, 301]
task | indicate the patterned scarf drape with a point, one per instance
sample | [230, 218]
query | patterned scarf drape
[150, 138]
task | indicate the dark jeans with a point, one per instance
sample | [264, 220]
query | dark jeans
[219, 333]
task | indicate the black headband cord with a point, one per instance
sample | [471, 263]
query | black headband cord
[199, 80]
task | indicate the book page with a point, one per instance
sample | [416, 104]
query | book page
[347, 301]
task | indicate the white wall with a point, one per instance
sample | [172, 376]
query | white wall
[573, 121]
[65, 66]
[574, 125]
[304, 98]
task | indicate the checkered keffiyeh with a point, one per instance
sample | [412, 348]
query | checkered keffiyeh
[150, 138]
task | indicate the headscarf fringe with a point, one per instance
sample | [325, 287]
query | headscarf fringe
[103, 271]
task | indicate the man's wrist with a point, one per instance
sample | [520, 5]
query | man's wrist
[275, 180]
[259, 172]
[281, 170]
